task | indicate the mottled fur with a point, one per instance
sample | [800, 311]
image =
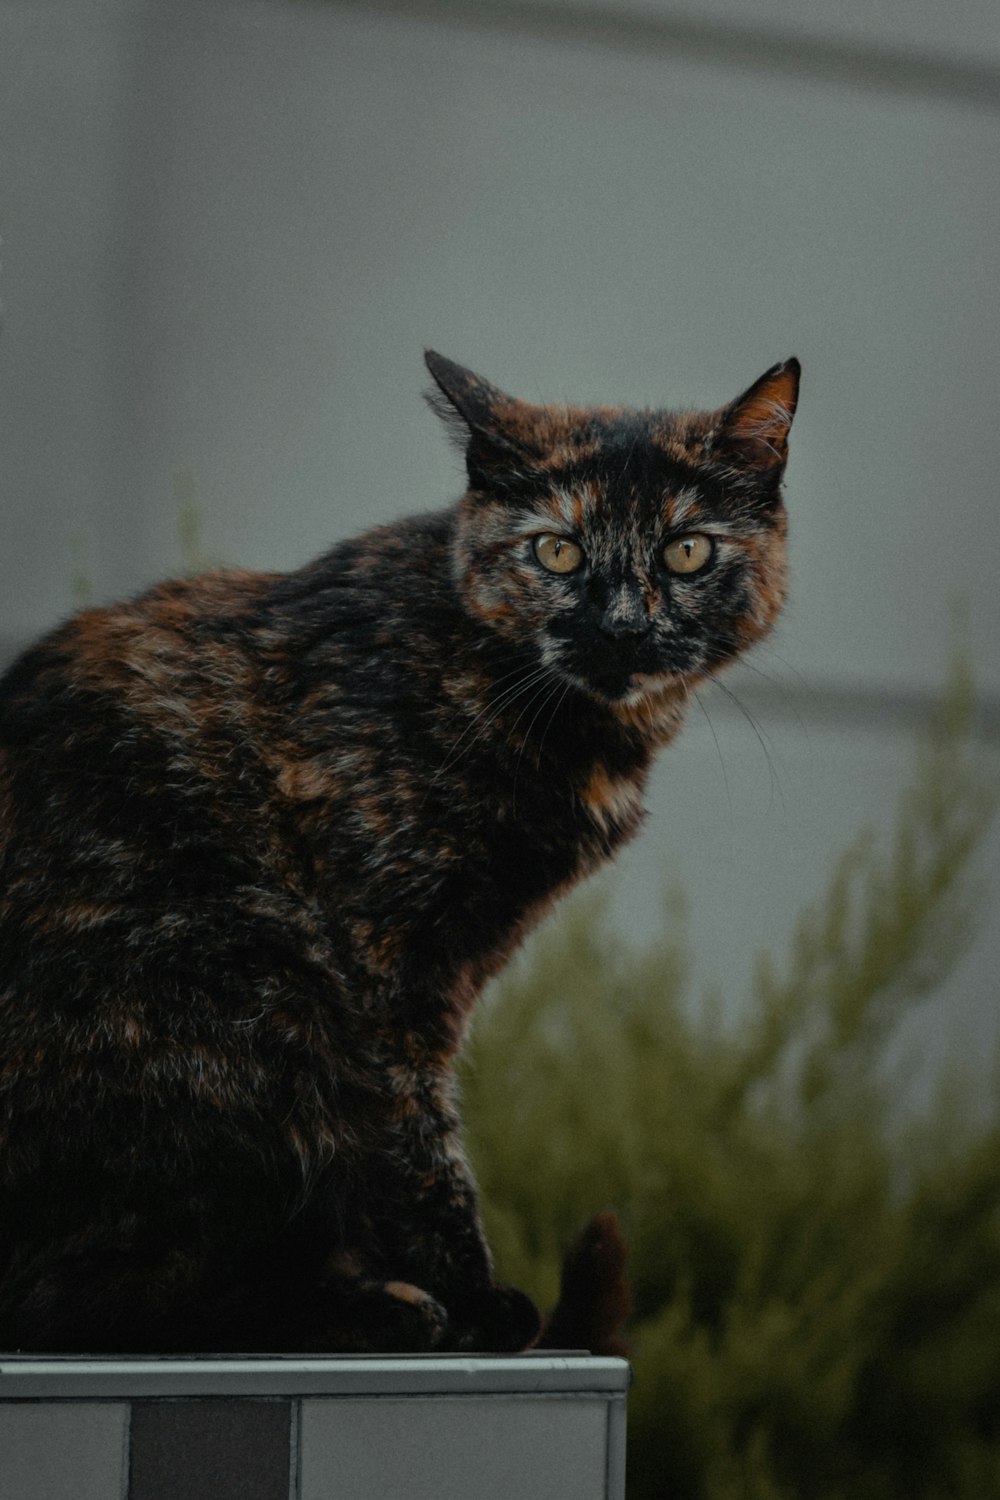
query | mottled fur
[264, 837]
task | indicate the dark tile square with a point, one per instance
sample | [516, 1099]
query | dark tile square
[210, 1449]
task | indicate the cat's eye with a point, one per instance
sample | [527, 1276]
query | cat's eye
[688, 554]
[557, 553]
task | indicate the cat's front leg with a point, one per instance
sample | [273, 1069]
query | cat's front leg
[450, 1257]
[434, 1233]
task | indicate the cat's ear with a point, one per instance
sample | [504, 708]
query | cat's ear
[493, 428]
[754, 428]
[479, 404]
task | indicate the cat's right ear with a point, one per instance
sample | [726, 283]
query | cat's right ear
[491, 427]
[755, 427]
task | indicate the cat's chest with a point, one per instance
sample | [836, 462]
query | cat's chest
[611, 804]
[556, 820]
[530, 844]
[461, 863]
[433, 855]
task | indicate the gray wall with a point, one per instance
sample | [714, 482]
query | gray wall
[230, 229]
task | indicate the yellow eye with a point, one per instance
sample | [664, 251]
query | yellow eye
[558, 553]
[688, 554]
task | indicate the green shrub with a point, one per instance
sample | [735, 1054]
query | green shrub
[816, 1275]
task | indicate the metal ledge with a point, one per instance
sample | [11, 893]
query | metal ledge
[39, 1378]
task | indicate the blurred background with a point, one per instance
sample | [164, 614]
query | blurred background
[229, 231]
[231, 228]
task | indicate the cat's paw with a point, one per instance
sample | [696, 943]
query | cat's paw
[499, 1320]
[413, 1315]
[365, 1316]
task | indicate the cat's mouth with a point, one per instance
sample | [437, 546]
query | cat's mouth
[631, 688]
[625, 681]
[652, 685]
[624, 672]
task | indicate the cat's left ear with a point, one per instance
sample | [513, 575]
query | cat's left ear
[755, 426]
[494, 429]
[479, 404]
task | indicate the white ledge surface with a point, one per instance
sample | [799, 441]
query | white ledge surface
[49, 1378]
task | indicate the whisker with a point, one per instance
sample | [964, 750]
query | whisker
[722, 764]
[762, 738]
[745, 664]
[494, 708]
[775, 682]
[544, 693]
[788, 666]
[481, 723]
[548, 722]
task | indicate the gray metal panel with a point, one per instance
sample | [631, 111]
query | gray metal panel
[50, 1379]
[454, 1448]
[210, 1449]
[616, 1448]
[65, 1451]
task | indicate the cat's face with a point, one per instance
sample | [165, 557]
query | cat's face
[635, 549]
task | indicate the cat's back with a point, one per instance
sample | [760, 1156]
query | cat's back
[190, 653]
[145, 745]
[113, 728]
[116, 718]
[143, 658]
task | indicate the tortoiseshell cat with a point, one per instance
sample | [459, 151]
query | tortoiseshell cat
[264, 837]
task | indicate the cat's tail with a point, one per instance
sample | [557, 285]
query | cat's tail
[594, 1296]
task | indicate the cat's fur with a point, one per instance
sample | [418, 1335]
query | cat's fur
[264, 837]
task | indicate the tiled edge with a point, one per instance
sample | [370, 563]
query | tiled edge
[135, 1379]
[116, 1401]
[213, 1448]
[126, 1453]
[533, 1447]
[63, 1450]
[616, 1419]
[295, 1451]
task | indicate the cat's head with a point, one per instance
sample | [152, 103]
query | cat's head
[636, 550]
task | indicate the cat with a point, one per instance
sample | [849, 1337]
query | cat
[265, 836]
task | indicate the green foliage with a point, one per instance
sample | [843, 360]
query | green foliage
[194, 555]
[817, 1283]
[81, 583]
[195, 558]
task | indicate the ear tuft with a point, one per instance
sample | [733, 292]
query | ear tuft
[757, 424]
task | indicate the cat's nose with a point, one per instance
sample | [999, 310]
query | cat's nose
[623, 630]
[625, 615]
